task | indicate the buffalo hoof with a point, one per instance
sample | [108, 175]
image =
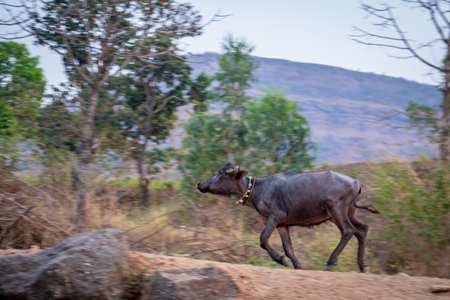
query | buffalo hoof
[365, 269]
[329, 267]
[284, 261]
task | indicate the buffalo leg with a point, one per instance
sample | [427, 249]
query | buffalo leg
[361, 234]
[287, 246]
[347, 231]
[264, 242]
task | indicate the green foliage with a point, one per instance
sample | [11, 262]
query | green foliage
[278, 136]
[9, 154]
[156, 156]
[415, 212]
[58, 127]
[205, 149]
[146, 110]
[271, 137]
[211, 140]
[22, 86]
[236, 73]
[99, 42]
[425, 118]
[198, 93]
[205, 144]
[266, 136]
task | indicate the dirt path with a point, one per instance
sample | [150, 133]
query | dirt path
[265, 283]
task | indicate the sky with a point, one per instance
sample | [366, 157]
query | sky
[298, 30]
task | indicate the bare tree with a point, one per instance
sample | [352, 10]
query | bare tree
[392, 36]
[97, 39]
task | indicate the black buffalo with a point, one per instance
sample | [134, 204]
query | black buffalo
[297, 199]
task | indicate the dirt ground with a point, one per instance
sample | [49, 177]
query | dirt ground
[266, 283]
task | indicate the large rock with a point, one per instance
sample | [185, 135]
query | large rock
[192, 284]
[85, 266]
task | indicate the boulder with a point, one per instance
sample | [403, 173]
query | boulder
[85, 266]
[209, 283]
[440, 288]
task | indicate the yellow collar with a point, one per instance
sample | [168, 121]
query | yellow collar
[246, 195]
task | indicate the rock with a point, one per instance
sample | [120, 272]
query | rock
[440, 288]
[85, 266]
[209, 283]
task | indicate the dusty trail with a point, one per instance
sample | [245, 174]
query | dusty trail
[265, 283]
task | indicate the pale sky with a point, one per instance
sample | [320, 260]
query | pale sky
[299, 30]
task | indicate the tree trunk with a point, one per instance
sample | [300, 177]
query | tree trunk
[445, 130]
[86, 142]
[445, 120]
[143, 180]
[150, 98]
[229, 142]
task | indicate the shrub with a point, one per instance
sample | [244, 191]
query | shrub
[416, 213]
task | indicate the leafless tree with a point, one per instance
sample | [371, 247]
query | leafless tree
[97, 39]
[391, 35]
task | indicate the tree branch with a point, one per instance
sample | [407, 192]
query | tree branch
[386, 15]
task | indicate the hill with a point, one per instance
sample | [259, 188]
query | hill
[343, 107]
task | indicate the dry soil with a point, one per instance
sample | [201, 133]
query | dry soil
[266, 283]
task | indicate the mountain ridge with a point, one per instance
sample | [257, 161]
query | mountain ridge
[343, 107]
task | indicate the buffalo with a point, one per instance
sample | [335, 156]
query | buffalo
[297, 199]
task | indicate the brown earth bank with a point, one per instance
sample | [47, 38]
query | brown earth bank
[266, 283]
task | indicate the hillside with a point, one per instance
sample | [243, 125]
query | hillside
[343, 107]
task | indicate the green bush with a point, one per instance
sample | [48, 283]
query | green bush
[416, 212]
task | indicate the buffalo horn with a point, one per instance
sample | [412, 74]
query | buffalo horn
[233, 170]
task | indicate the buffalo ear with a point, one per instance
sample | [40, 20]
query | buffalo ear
[232, 170]
[240, 174]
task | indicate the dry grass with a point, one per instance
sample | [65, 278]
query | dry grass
[30, 216]
[215, 229]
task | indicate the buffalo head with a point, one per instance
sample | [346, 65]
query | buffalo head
[228, 181]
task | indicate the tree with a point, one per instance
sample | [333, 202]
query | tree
[213, 139]
[199, 93]
[204, 144]
[22, 87]
[267, 135]
[154, 88]
[97, 39]
[279, 137]
[234, 78]
[204, 149]
[60, 119]
[392, 36]
[236, 73]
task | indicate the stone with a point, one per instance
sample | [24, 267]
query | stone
[440, 288]
[209, 283]
[84, 266]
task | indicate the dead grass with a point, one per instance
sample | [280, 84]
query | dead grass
[30, 216]
[215, 229]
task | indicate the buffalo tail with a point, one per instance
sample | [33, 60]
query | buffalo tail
[368, 207]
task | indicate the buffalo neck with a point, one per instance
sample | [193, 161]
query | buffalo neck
[246, 187]
[255, 198]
